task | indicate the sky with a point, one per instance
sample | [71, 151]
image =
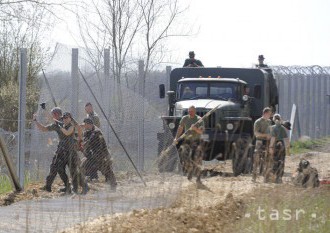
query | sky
[232, 33]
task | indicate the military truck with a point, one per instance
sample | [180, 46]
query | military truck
[240, 94]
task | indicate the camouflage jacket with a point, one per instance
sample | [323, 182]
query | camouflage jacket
[94, 144]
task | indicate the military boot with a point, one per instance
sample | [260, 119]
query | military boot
[66, 189]
[46, 188]
[85, 189]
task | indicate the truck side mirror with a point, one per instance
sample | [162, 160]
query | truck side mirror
[162, 91]
[171, 102]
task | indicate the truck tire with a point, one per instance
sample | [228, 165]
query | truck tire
[241, 163]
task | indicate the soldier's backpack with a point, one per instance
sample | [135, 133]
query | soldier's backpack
[307, 176]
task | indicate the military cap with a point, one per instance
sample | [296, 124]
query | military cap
[277, 116]
[261, 57]
[67, 114]
[88, 103]
[88, 121]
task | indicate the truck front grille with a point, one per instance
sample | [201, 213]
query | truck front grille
[209, 122]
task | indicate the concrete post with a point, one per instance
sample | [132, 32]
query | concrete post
[75, 83]
[141, 117]
[21, 115]
[108, 91]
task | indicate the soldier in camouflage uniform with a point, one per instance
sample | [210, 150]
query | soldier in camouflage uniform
[58, 163]
[92, 115]
[278, 143]
[191, 150]
[73, 160]
[65, 153]
[97, 154]
[261, 133]
[261, 62]
[96, 121]
[306, 176]
[192, 62]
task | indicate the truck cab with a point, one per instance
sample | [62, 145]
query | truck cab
[239, 95]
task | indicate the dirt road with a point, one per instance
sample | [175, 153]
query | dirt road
[216, 207]
[169, 203]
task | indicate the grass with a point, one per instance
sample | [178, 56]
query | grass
[6, 185]
[288, 209]
[305, 145]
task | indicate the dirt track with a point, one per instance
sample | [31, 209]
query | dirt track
[214, 207]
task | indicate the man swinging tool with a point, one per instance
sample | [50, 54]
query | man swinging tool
[191, 151]
[165, 156]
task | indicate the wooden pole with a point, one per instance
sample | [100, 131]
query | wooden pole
[10, 167]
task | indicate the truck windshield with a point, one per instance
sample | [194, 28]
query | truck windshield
[207, 90]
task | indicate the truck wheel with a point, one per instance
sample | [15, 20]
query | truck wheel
[240, 159]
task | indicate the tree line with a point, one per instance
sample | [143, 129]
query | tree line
[132, 30]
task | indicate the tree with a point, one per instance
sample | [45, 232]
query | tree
[16, 33]
[160, 23]
[114, 25]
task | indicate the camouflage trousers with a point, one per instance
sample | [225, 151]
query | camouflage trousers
[62, 158]
[103, 164]
[276, 162]
[191, 159]
[306, 177]
[259, 158]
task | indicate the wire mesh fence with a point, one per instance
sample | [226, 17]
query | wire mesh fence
[125, 142]
[72, 155]
[308, 89]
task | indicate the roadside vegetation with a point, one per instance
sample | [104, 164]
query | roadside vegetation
[5, 184]
[306, 144]
[288, 209]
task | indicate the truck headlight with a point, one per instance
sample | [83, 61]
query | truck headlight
[171, 125]
[230, 126]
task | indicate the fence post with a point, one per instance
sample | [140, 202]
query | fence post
[303, 104]
[327, 105]
[322, 106]
[108, 91]
[21, 115]
[75, 82]
[314, 107]
[141, 117]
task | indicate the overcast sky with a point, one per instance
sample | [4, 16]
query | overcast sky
[234, 32]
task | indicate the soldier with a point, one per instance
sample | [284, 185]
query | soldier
[192, 62]
[59, 160]
[306, 176]
[191, 151]
[92, 115]
[96, 121]
[261, 133]
[187, 93]
[73, 160]
[278, 143]
[261, 62]
[97, 154]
